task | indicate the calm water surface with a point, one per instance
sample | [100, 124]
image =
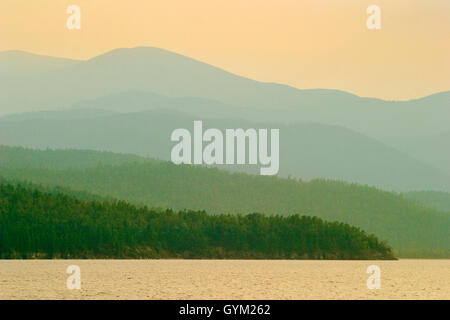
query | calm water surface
[224, 279]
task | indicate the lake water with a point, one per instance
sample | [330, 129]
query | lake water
[224, 279]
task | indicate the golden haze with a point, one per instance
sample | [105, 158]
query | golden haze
[306, 44]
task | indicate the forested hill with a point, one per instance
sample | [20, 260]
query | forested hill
[411, 229]
[34, 224]
[18, 157]
[433, 199]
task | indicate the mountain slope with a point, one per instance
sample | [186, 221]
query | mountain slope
[432, 199]
[306, 150]
[20, 63]
[162, 72]
[17, 157]
[413, 230]
[66, 114]
[431, 149]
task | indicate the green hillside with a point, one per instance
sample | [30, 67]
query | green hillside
[42, 225]
[17, 157]
[307, 150]
[412, 230]
[433, 199]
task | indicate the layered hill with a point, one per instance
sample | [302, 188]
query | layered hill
[59, 83]
[413, 230]
[393, 145]
[431, 149]
[307, 150]
[433, 199]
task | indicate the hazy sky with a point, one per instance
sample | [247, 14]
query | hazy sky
[304, 43]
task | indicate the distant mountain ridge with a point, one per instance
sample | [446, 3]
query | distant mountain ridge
[148, 69]
[307, 150]
[20, 63]
[395, 145]
[432, 149]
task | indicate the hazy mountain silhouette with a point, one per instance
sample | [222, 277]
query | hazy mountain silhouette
[20, 63]
[307, 150]
[431, 149]
[140, 79]
[61, 83]
[135, 101]
[67, 114]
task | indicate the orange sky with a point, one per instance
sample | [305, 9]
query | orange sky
[303, 43]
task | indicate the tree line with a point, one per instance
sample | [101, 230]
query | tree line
[36, 224]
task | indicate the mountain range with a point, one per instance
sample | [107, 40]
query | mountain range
[119, 100]
[307, 150]
[112, 117]
[59, 83]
